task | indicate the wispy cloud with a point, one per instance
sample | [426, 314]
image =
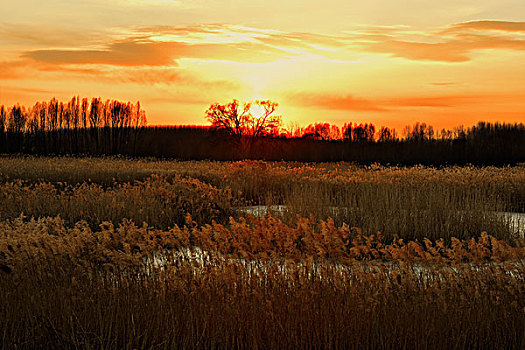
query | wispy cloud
[489, 25]
[127, 53]
[445, 51]
[349, 102]
[164, 45]
[141, 75]
[12, 69]
[454, 44]
[443, 83]
[29, 90]
[31, 36]
[333, 102]
[439, 101]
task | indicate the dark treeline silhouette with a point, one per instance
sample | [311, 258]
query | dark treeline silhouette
[96, 127]
[483, 144]
[75, 127]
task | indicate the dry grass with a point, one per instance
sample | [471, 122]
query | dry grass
[303, 286]
[157, 201]
[414, 202]
[100, 253]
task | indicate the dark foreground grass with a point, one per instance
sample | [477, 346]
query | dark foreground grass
[224, 307]
[76, 288]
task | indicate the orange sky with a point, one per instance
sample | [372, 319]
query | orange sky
[388, 62]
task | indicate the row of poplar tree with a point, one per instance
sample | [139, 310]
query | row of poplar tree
[75, 127]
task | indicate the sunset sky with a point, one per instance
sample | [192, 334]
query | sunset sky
[388, 62]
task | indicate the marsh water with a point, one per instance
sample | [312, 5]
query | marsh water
[516, 221]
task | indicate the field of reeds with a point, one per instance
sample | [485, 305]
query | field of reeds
[141, 253]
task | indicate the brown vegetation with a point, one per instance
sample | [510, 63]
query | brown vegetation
[413, 202]
[118, 253]
[257, 284]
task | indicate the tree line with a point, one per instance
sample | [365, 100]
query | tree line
[240, 121]
[367, 132]
[482, 144]
[96, 127]
[78, 126]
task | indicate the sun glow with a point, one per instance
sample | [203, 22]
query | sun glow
[443, 69]
[256, 110]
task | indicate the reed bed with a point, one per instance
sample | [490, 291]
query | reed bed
[143, 254]
[413, 202]
[156, 201]
[315, 286]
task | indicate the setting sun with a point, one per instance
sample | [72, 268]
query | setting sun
[262, 174]
[333, 62]
[256, 110]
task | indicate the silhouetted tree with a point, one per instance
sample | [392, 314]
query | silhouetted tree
[308, 132]
[335, 132]
[363, 133]
[2, 119]
[347, 132]
[240, 121]
[386, 134]
[3, 122]
[419, 132]
[322, 131]
[445, 135]
[16, 126]
[17, 119]
[42, 117]
[94, 112]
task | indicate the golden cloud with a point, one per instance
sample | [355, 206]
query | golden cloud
[455, 44]
[490, 25]
[348, 102]
[334, 102]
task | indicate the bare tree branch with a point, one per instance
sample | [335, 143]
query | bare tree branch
[240, 121]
